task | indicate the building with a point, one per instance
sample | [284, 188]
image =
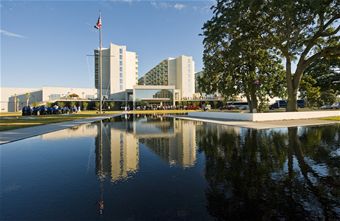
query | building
[13, 99]
[119, 69]
[178, 72]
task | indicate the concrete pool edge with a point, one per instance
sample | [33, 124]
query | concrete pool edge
[262, 124]
[264, 117]
[24, 133]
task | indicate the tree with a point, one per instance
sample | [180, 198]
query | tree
[326, 72]
[111, 104]
[27, 96]
[61, 103]
[72, 104]
[310, 92]
[85, 105]
[236, 61]
[301, 32]
[96, 104]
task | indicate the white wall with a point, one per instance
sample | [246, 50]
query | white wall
[131, 71]
[172, 76]
[186, 75]
[45, 94]
[7, 93]
[84, 93]
[265, 116]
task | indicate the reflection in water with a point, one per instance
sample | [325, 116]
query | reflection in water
[117, 153]
[272, 174]
[235, 174]
[178, 146]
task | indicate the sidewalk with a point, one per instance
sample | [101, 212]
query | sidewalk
[263, 124]
[23, 133]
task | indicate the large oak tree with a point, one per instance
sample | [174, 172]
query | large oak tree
[301, 32]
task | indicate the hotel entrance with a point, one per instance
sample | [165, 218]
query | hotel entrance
[153, 97]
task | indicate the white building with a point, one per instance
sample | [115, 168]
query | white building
[13, 99]
[179, 72]
[119, 69]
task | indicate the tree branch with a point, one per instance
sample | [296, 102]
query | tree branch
[303, 64]
[325, 34]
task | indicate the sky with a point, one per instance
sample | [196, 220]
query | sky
[47, 43]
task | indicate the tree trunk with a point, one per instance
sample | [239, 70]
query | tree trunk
[291, 89]
[250, 103]
[292, 97]
[253, 100]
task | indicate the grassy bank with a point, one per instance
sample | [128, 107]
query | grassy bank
[10, 121]
[336, 118]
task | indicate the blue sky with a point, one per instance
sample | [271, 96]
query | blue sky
[45, 43]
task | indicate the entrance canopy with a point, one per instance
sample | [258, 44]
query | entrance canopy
[154, 93]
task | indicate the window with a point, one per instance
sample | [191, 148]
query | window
[120, 50]
[120, 69]
[120, 63]
[121, 57]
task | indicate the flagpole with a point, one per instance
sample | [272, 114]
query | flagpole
[100, 69]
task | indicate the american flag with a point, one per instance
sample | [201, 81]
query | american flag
[99, 23]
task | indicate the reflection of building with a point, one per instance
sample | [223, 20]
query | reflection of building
[117, 152]
[178, 72]
[180, 148]
[173, 140]
[87, 130]
[119, 69]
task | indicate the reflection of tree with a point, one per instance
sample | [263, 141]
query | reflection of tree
[266, 175]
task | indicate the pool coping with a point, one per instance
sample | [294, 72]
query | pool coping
[27, 132]
[261, 125]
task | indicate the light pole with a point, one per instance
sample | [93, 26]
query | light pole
[99, 27]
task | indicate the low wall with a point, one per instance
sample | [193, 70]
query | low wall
[265, 116]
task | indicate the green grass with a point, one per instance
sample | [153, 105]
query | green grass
[15, 122]
[10, 121]
[336, 118]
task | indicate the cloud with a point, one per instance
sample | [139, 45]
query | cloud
[166, 5]
[179, 6]
[11, 34]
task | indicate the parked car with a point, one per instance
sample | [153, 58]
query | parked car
[327, 106]
[26, 111]
[336, 105]
[40, 110]
[300, 103]
[237, 105]
[278, 104]
[283, 104]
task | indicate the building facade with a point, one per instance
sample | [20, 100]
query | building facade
[119, 69]
[178, 72]
[14, 99]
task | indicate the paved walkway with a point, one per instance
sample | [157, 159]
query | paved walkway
[263, 124]
[23, 133]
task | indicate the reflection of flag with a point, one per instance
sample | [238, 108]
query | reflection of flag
[99, 23]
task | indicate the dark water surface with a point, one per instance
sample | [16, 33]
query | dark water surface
[156, 168]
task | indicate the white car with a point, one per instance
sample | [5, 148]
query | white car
[336, 105]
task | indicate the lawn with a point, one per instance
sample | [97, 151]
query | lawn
[336, 118]
[12, 121]
[9, 121]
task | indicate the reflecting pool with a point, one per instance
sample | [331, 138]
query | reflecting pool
[158, 168]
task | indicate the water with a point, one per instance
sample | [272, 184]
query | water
[156, 168]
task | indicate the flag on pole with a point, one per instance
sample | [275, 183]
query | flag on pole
[99, 23]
